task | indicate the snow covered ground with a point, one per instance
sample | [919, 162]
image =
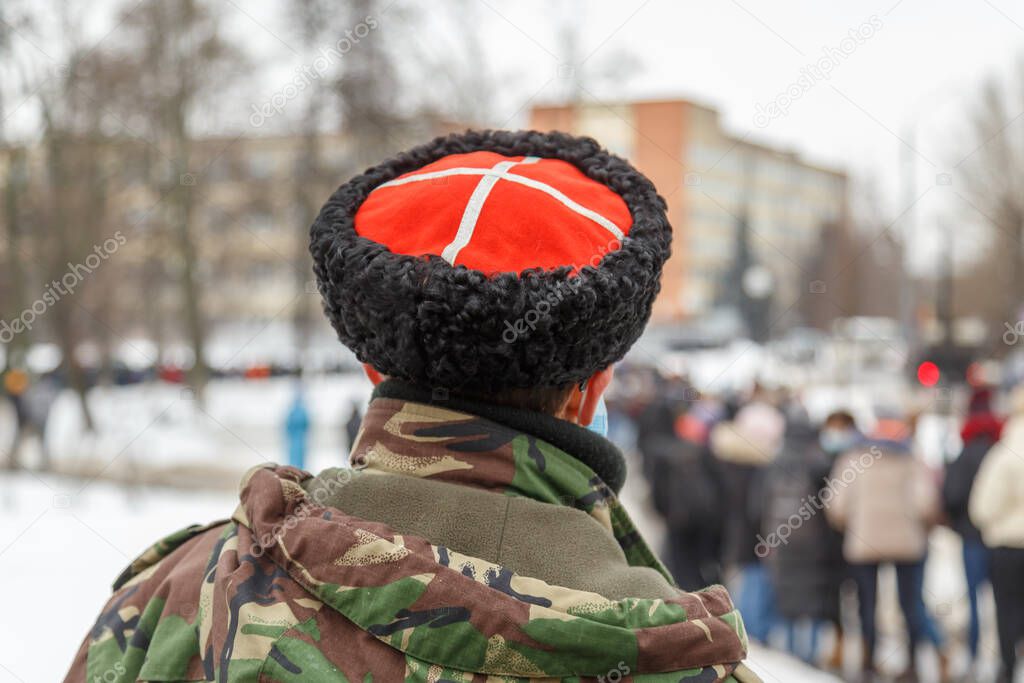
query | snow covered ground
[62, 542]
[148, 427]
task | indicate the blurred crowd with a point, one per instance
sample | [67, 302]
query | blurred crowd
[799, 516]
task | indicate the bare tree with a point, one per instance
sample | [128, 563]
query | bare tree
[15, 182]
[315, 22]
[584, 71]
[76, 190]
[994, 177]
[369, 85]
[13, 19]
[177, 56]
[68, 202]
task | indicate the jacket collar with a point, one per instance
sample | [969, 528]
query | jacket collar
[597, 453]
[443, 441]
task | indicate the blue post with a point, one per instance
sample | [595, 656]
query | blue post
[297, 431]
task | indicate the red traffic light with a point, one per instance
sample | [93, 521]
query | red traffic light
[928, 373]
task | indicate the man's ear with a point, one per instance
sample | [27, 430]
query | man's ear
[596, 386]
[372, 374]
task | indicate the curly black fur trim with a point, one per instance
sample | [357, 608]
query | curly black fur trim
[437, 325]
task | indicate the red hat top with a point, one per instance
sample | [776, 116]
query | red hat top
[428, 259]
[495, 213]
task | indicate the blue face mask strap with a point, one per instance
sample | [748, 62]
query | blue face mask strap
[599, 425]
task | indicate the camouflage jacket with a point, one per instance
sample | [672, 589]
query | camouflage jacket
[292, 589]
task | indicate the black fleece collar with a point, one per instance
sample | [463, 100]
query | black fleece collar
[594, 451]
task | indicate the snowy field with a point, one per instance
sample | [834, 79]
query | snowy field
[62, 543]
[157, 428]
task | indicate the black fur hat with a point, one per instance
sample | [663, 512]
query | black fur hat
[428, 318]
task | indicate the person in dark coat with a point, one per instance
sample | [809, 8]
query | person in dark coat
[653, 422]
[687, 494]
[980, 432]
[797, 543]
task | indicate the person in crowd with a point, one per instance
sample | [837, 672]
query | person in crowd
[932, 632]
[697, 422]
[16, 384]
[996, 507]
[39, 399]
[885, 501]
[631, 394]
[797, 544]
[980, 432]
[296, 428]
[655, 418]
[621, 427]
[489, 281]
[743, 447]
[686, 493]
[839, 434]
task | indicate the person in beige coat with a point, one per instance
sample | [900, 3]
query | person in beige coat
[997, 508]
[885, 501]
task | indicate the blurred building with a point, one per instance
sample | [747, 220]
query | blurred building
[714, 183]
[250, 204]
